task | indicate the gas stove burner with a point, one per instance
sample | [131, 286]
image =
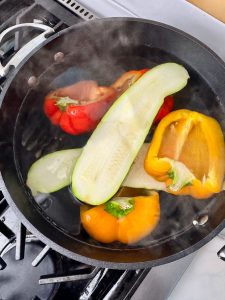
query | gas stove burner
[19, 280]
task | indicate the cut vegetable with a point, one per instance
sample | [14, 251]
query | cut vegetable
[52, 172]
[51, 164]
[126, 220]
[79, 107]
[111, 149]
[137, 177]
[187, 153]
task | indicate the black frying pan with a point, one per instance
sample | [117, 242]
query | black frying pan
[102, 50]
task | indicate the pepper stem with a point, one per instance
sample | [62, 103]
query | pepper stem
[120, 207]
[181, 176]
[63, 102]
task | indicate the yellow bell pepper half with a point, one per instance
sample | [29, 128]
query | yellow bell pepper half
[122, 219]
[187, 153]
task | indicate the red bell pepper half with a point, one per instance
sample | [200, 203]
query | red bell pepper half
[165, 109]
[78, 108]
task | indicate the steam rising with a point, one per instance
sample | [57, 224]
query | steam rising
[101, 52]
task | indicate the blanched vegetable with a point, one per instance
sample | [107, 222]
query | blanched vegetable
[129, 78]
[79, 107]
[187, 153]
[55, 163]
[137, 177]
[126, 220]
[52, 171]
[112, 148]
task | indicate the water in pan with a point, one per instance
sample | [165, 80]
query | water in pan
[35, 136]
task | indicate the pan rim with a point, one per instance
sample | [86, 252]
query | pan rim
[64, 251]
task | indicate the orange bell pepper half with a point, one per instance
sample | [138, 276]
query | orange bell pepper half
[187, 153]
[122, 219]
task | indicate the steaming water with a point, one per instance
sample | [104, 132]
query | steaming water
[35, 136]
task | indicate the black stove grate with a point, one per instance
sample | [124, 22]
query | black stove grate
[3, 203]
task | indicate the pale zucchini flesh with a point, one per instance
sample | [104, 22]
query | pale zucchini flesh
[113, 146]
[52, 172]
[137, 177]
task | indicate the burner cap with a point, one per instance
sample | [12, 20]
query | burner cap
[19, 280]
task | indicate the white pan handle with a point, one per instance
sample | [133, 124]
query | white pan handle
[27, 48]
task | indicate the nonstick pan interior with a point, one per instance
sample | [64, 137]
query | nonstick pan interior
[35, 136]
[102, 50]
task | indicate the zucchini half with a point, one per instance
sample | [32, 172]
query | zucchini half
[52, 172]
[113, 146]
[138, 178]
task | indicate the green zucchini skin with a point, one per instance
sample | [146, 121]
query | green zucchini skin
[113, 146]
[52, 172]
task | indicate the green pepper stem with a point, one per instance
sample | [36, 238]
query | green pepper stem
[120, 207]
[63, 102]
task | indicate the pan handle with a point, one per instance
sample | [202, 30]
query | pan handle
[27, 48]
